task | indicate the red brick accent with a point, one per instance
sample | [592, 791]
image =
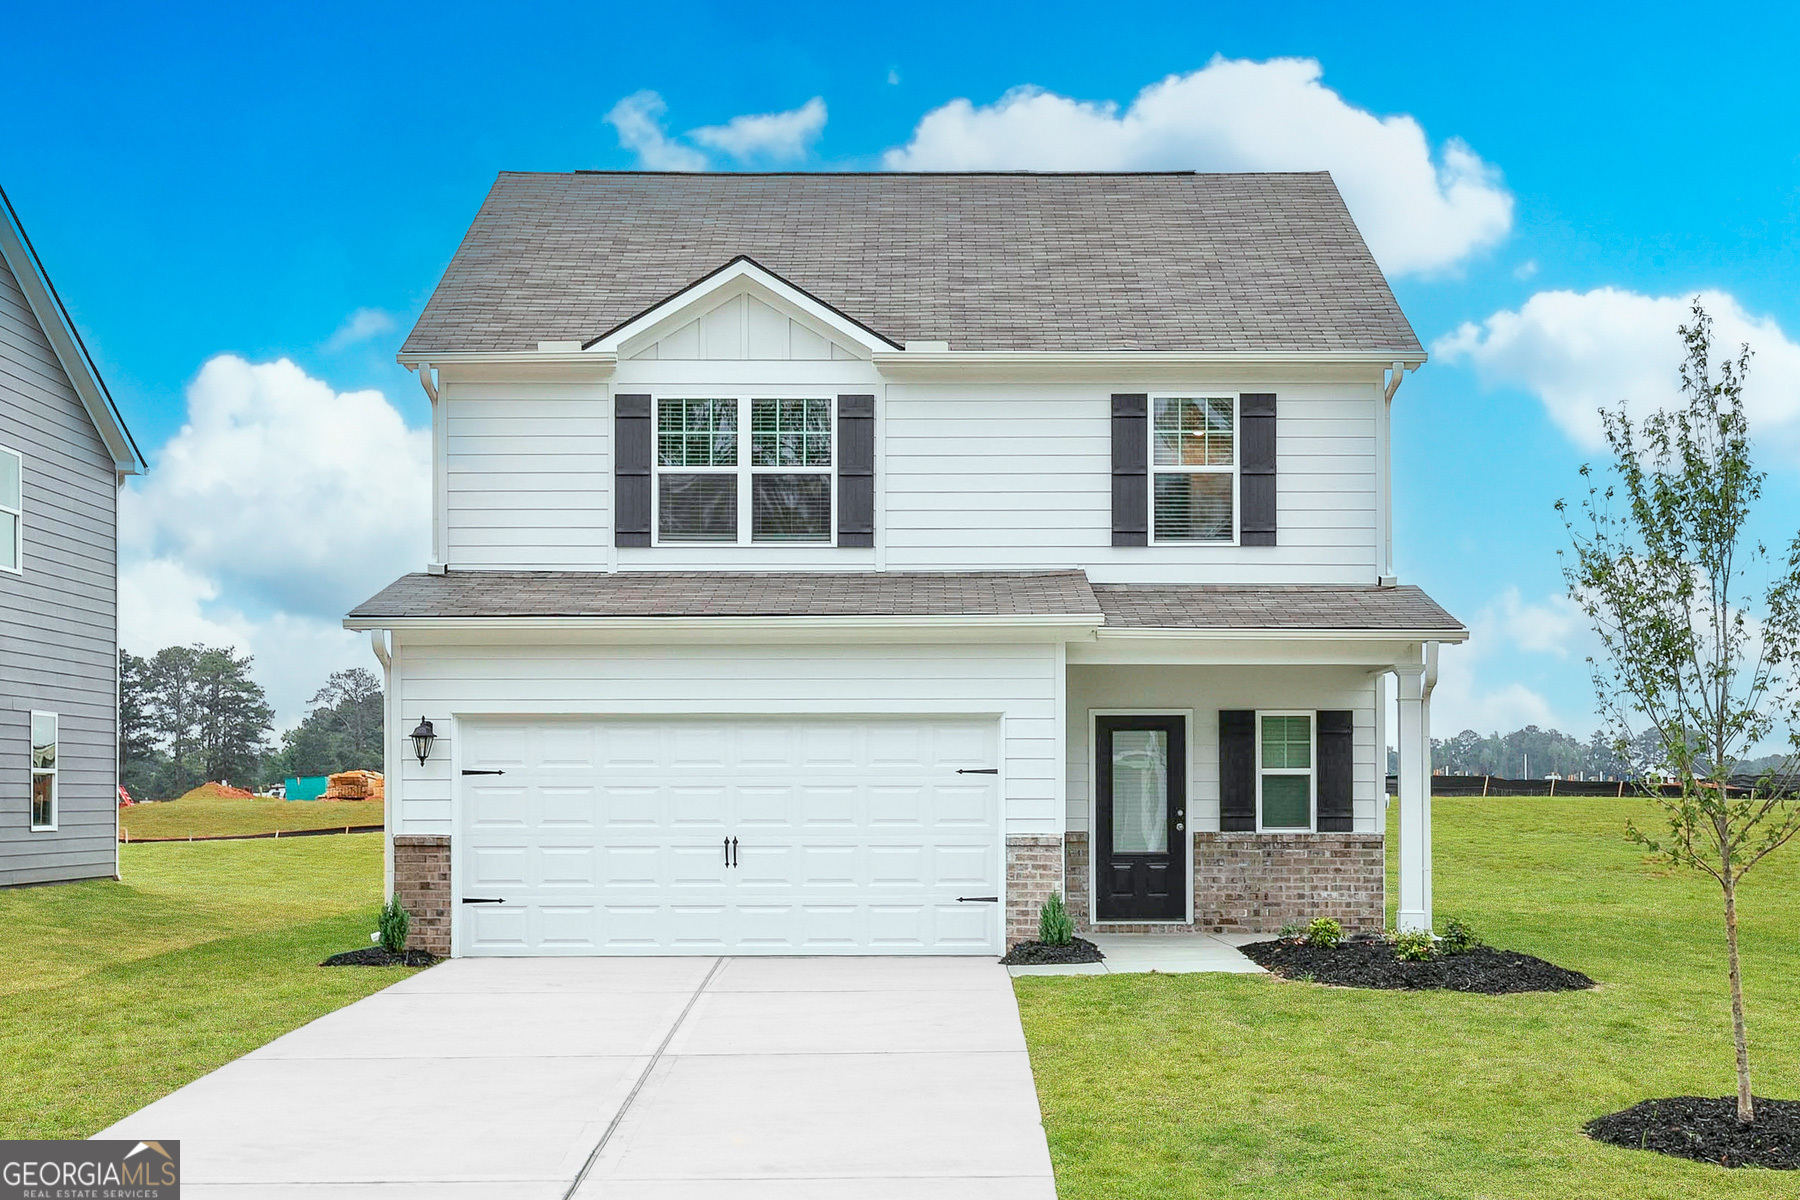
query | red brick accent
[1257, 882]
[422, 885]
[1034, 869]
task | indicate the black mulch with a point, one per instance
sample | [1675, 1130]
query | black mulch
[1041, 954]
[1372, 964]
[375, 956]
[1706, 1129]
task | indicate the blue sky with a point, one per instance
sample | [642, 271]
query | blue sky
[244, 180]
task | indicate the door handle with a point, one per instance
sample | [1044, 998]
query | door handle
[734, 852]
[728, 852]
[1179, 827]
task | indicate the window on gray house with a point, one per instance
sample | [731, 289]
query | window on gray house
[43, 770]
[1193, 468]
[12, 472]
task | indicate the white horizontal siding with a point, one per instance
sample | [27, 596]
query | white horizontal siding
[1017, 683]
[526, 474]
[1207, 690]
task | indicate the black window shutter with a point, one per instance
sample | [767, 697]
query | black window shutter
[1237, 770]
[1256, 469]
[631, 470]
[856, 471]
[1130, 470]
[1337, 771]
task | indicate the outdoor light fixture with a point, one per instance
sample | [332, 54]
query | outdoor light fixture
[422, 738]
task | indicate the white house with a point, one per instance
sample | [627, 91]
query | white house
[844, 563]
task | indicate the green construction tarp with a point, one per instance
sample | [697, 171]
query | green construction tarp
[307, 787]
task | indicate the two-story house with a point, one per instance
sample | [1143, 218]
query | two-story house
[842, 563]
[64, 452]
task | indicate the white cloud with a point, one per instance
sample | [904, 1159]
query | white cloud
[360, 326]
[781, 137]
[638, 118]
[1507, 629]
[1579, 351]
[1420, 210]
[277, 506]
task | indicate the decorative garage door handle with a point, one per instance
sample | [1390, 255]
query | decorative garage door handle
[731, 852]
[494, 771]
[978, 770]
[978, 899]
[483, 900]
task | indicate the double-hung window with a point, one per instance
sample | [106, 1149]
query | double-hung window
[1285, 754]
[12, 509]
[43, 770]
[1193, 468]
[710, 487]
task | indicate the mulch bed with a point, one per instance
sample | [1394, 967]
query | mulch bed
[1706, 1129]
[1370, 963]
[375, 956]
[1040, 954]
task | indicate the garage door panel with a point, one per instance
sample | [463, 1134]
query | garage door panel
[609, 836]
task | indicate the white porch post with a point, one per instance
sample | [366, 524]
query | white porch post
[1414, 737]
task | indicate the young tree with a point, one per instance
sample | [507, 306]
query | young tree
[1663, 579]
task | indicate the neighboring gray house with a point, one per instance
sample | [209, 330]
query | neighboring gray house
[64, 451]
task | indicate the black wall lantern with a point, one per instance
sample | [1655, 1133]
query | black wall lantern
[422, 738]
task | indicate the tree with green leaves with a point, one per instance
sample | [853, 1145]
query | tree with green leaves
[139, 758]
[234, 716]
[1664, 569]
[342, 732]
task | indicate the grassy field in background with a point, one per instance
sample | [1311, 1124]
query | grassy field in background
[213, 816]
[117, 993]
[1214, 1085]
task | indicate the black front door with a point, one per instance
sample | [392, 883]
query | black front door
[1140, 857]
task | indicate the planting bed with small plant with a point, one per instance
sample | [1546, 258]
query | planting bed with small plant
[1319, 953]
[1056, 942]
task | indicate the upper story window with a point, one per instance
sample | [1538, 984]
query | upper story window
[43, 770]
[12, 521]
[709, 490]
[1193, 468]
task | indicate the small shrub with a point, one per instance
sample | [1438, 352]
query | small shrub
[1412, 947]
[1324, 933]
[1293, 931]
[1308, 977]
[1459, 938]
[392, 925]
[1054, 926]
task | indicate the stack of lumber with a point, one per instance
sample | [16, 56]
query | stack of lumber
[355, 785]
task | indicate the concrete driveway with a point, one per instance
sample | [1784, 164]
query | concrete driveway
[641, 1078]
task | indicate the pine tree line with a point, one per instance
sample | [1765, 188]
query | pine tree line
[190, 714]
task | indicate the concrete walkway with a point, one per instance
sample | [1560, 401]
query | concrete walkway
[646, 1079]
[1163, 953]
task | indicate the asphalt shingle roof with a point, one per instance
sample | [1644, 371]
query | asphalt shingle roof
[501, 594]
[1132, 605]
[1172, 261]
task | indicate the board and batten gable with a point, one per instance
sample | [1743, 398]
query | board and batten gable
[970, 474]
[58, 617]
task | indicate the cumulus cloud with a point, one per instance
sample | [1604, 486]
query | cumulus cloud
[779, 137]
[279, 504]
[638, 119]
[1421, 209]
[360, 326]
[1579, 351]
[1502, 637]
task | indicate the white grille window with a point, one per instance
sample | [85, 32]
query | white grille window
[715, 485]
[1193, 464]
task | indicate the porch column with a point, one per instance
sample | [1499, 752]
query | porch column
[1414, 752]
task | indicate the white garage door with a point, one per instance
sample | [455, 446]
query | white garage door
[747, 835]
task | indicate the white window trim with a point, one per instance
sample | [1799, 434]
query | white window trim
[52, 772]
[1237, 458]
[1311, 773]
[17, 567]
[744, 469]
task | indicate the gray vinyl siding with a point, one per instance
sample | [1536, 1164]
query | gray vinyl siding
[58, 622]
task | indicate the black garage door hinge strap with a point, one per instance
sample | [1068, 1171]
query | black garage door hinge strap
[978, 899]
[482, 771]
[483, 900]
[978, 770]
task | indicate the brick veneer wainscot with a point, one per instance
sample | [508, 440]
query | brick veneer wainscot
[1257, 882]
[422, 885]
[1034, 870]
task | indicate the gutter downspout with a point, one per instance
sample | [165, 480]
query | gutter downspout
[430, 384]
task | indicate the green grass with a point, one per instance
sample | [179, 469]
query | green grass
[117, 993]
[214, 816]
[1216, 1085]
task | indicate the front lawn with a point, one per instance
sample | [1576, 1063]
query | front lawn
[1211, 1085]
[114, 994]
[205, 815]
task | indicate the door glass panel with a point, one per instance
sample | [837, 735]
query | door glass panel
[1140, 791]
[1286, 801]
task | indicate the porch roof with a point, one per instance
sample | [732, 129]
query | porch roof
[1276, 609]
